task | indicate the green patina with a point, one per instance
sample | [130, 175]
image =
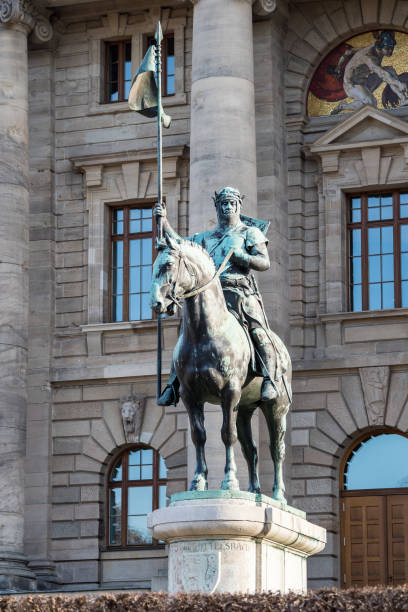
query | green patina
[223, 494]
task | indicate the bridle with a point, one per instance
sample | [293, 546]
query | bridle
[182, 258]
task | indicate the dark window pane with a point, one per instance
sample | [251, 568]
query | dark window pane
[134, 280]
[115, 509]
[356, 270]
[388, 295]
[116, 473]
[404, 266]
[113, 93]
[374, 269]
[162, 468]
[170, 45]
[374, 297]
[373, 214]
[355, 242]
[387, 268]
[113, 53]
[117, 308]
[117, 281]
[113, 73]
[387, 242]
[380, 462]
[356, 298]
[134, 253]
[138, 532]
[117, 260]
[374, 241]
[147, 251]
[134, 307]
[404, 238]
[404, 294]
[146, 310]
[128, 51]
[139, 500]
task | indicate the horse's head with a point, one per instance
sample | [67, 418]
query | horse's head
[172, 277]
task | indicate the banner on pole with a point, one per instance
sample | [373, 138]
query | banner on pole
[143, 93]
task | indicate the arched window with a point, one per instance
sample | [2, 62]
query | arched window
[136, 486]
[379, 461]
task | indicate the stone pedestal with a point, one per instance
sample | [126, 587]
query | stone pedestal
[232, 541]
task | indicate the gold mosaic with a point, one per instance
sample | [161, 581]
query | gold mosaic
[371, 68]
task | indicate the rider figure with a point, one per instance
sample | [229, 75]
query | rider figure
[239, 287]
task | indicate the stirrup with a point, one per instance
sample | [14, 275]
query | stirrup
[169, 397]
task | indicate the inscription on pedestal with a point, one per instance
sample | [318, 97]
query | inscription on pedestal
[209, 565]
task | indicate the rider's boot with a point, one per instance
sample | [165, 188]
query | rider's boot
[267, 355]
[170, 395]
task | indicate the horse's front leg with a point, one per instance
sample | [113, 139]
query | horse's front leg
[230, 397]
[198, 436]
[248, 446]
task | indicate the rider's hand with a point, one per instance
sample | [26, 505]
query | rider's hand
[241, 257]
[159, 210]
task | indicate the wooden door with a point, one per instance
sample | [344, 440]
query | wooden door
[397, 536]
[374, 539]
[363, 539]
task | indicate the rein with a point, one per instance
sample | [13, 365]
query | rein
[194, 292]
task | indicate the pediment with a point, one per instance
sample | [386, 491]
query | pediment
[368, 126]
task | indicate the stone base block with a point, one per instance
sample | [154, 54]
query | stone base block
[14, 573]
[233, 541]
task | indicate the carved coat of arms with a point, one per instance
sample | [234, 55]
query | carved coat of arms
[200, 571]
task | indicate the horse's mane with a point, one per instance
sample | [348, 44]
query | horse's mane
[210, 266]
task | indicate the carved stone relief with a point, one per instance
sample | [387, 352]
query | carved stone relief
[27, 14]
[132, 410]
[375, 381]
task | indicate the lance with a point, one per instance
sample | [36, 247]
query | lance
[145, 97]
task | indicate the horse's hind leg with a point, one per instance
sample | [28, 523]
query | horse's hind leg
[230, 399]
[276, 420]
[198, 436]
[248, 446]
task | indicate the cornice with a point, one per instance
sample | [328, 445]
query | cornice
[25, 14]
[260, 7]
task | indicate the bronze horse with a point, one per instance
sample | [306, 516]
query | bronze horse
[212, 361]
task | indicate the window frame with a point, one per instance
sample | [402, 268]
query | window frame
[149, 41]
[121, 73]
[396, 222]
[126, 237]
[124, 485]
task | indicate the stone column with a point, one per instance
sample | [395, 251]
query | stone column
[17, 19]
[222, 107]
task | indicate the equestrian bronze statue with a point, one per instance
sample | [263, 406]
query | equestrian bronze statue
[226, 352]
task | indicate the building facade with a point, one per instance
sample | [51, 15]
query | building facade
[302, 106]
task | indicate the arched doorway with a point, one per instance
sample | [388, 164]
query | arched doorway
[374, 510]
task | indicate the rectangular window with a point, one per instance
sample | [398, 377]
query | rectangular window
[168, 66]
[118, 70]
[378, 251]
[131, 263]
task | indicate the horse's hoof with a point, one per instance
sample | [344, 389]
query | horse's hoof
[279, 497]
[254, 489]
[230, 484]
[199, 483]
